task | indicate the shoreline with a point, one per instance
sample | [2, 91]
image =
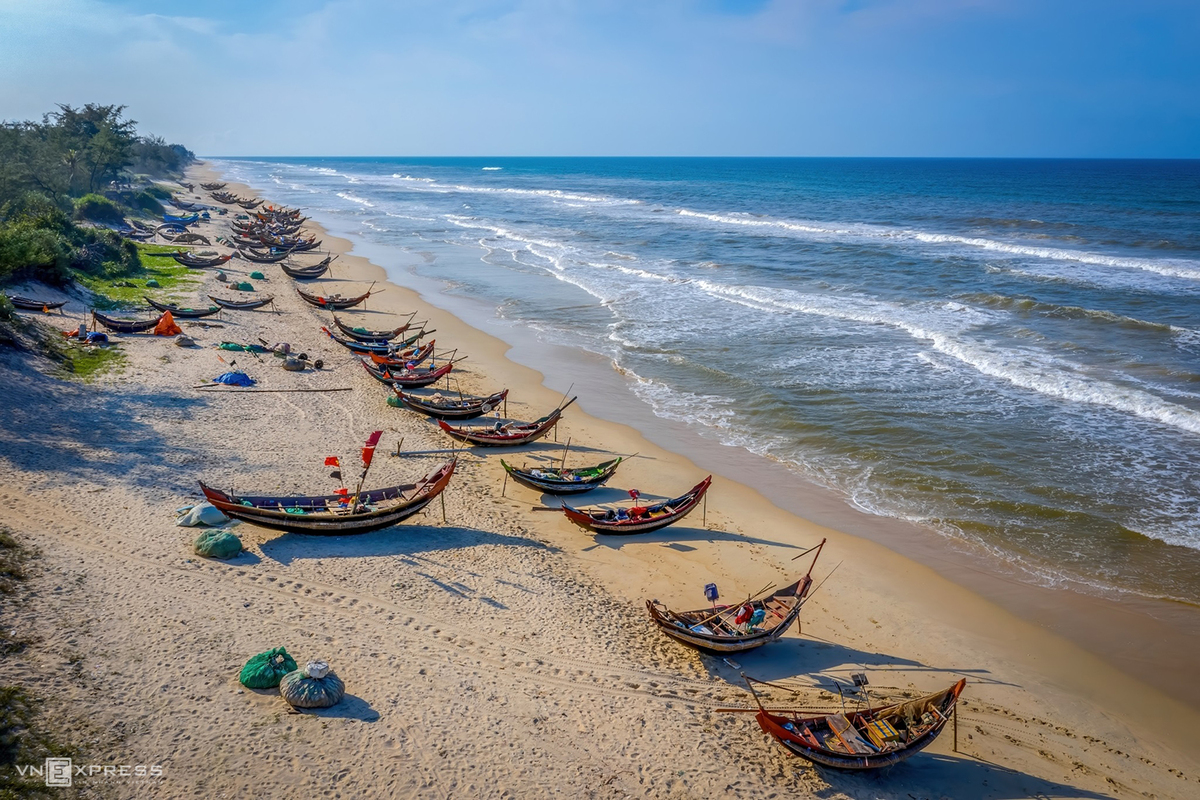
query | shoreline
[1056, 659]
[502, 653]
[1153, 640]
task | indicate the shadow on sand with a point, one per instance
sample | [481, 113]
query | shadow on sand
[400, 540]
[972, 779]
[351, 707]
[63, 428]
[673, 535]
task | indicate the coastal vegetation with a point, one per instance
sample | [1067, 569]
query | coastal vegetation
[65, 180]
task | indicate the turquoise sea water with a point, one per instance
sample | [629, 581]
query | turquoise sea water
[1005, 352]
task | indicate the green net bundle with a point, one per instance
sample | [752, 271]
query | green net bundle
[265, 670]
[218, 544]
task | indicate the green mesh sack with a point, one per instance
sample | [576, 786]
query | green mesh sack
[257, 276]
[218, 544]
[315, 686]
[264, 670]
[153, 284]
[394, 401]
[244, 287]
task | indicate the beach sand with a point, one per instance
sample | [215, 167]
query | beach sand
[503, 653]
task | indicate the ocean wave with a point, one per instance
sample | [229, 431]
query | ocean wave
[1171, 268]
[1025, 368]
[428, 185]
[1032, 306]
[355, 199]
[491, 169]
[403, 177]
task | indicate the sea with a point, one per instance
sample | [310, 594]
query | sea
[1005, 353]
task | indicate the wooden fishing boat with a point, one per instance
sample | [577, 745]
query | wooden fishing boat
[376, 348]
[260, 257]
[178, 220]
[336, 301]
[718, 629]
[307, 273]
[335, 515]
[511, 434]
[557, 480]
[242, 305]
[441, 406]
[409, 379]
[295, 246]
[30, 304]
[212, 187]
[125, 325]
[402, 358]
[364, 335]
[189, 260]
[249, 204]
[639, 519]
[183, 313]
[861, 740]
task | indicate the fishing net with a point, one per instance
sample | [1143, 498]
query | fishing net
[394, 401]
[315, 686]
[242, 348]
[257, 276]
[265, 670]
[244, 286]
[218, 544]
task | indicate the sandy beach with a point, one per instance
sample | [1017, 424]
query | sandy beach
[502, 653]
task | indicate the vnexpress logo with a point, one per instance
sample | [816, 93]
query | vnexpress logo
[61, 772]
[58, 772]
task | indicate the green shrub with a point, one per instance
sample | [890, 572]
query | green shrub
[144, 201]
[156, 191]
[29, 250]
[96, 208]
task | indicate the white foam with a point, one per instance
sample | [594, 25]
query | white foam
[1023, 367]
[492, 169]
[355, 199]
[1173, 268]
[402, 177]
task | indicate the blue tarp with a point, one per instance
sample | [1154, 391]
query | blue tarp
[235, 379]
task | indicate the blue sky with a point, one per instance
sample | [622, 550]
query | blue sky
[622, 77]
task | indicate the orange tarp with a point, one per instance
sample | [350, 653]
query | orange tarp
[166, 326]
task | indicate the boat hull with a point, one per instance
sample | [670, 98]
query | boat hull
[684, 505]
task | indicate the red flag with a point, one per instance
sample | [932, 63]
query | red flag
[332, 461]
[368, 451]
[634, 493]
[342, 490]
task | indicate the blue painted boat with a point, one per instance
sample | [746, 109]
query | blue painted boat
[188, 220]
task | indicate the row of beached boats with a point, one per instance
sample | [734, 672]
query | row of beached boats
[866, 738]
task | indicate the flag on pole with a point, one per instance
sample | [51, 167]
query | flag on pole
[332, 461]
[368, 451]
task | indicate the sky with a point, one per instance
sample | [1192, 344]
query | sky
[941, 78]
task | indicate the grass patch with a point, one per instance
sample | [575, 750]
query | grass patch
[89, 363]
[24, 738]
[116, 291]
[12, 561]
